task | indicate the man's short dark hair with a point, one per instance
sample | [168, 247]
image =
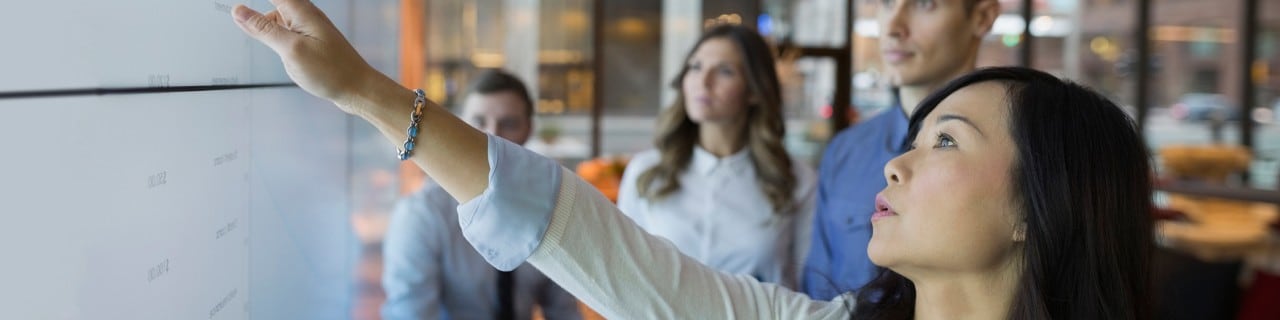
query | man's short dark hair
[491, 81]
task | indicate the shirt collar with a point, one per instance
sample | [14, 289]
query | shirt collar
[705, 163]
[898, 127]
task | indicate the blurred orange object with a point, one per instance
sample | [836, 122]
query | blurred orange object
[587, 313]
[1212, 163]
[605, 173]
[1168, 214]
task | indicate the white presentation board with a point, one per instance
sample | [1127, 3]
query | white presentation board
[137, 43]
[146, 175]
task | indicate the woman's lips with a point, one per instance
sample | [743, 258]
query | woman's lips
[883, 209]
[704, 101]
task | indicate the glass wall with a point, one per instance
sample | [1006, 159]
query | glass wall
[1000, 46]
[618, 58]
[1097, 48]
[1194, 85]
[871, 91]
[548, 44]
[1265, 72]
[810, 36]
[1194, 88]
[633, 64]
[1195, 78]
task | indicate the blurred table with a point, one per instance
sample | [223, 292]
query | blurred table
[1206, 259]
[1219, 230]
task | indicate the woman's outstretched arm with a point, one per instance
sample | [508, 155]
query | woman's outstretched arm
[516, 204]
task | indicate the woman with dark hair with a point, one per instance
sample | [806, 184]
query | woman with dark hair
[720, 186]
[1022, 197]
[1012, 170]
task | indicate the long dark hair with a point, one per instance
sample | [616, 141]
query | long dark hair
[677, 134]
[1084, 178]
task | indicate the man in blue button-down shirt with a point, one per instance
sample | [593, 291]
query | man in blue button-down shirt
[923, 44]
[431, 271]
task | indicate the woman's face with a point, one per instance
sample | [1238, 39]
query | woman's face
[950, 204]
[715, 84]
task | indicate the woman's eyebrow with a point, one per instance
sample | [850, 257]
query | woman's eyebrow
[949, 117]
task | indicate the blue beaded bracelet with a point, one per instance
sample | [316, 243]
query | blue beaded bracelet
[414, 119]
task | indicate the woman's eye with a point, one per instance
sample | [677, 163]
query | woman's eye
[945, 141]
[726, 71]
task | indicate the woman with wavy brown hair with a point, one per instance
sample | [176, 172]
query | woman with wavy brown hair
[719, 184]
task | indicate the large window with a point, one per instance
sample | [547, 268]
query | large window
[547, 43]
[1195, 80]
[812, 39]
[1097, 49]
[1000, 46]
[1265, 71]
[634, 55]
[1193, 96]
[871, 93]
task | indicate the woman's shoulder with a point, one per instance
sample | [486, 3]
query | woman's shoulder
[639, 163]
[648, 156]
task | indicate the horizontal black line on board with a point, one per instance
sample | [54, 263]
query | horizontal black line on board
[139, 90]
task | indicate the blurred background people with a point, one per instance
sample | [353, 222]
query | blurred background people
[720, 185]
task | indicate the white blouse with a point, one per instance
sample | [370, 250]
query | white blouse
[720, 218]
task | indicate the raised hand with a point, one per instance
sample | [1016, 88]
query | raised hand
[315, 54]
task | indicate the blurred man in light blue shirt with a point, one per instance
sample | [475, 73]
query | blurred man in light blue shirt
[431, 271]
